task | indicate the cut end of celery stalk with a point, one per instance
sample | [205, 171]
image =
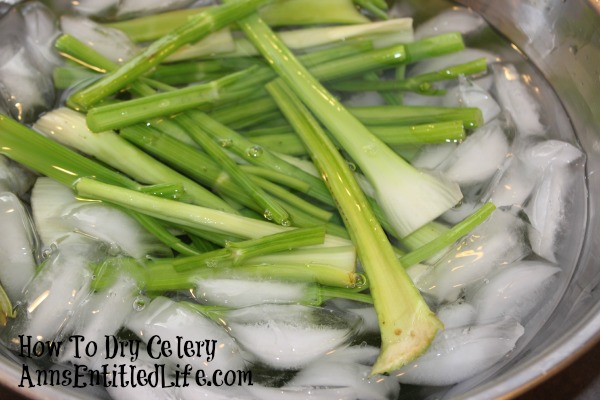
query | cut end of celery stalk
[6, 308]
[407, 343]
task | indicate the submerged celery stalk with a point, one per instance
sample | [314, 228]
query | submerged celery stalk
[6, 308]
[195, 29]
[185, 214]
[408, 197]
[52, 159]
[279, 13]
[407, 325]
[69, 128]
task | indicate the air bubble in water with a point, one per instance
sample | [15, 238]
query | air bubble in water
[286, 222]
[139, 303]
[114, 249]
[47, 253]
[359, 281]
[573, 49]
[255, 151]
[268, 215]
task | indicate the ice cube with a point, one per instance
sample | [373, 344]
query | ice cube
[513, 291]
[175, 323]
[497, 242]
[25, 90]
[469, 94]
[456, 19]
[100, 315]
[551, 198]
[243, 292]
[479, 156]
[42, 31]
[15, 178]
[364, 99]
[17, 246]
[195, 392]
[460, 353]
[348, 368]
[431, 156]
[96, 8]
[116, 228]
[290, 336]
[515, 97]
[457, 314]
[111, 43]
[48, 302]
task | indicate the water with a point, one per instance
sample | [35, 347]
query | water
[462, 306]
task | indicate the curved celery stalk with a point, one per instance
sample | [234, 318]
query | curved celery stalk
[406, 323]
[195, 29]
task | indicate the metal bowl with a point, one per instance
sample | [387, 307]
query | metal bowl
[562, 39]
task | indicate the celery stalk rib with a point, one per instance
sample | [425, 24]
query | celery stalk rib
[407, 325]
[195, 29]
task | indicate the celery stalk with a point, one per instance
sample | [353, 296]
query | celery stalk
[272, 210]
[279, 13]
[451, 236]
[68, 127]
[185, 214]
[400, 189]
[195, 29]
[163, 277]
[406, 323]
[52, 159]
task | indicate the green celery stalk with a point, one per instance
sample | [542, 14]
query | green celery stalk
[121, 114]
[162, 277]
[272, 210]
[374, 7]
[441, 132]
[280, 13]
[198, 27]
[412, 115]
[419, 83]
[247, 150]
[52, 159]
[68, 127]
[452, 235]
[400, 191]
[187, 215]
[235, 253]
[406, 323]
